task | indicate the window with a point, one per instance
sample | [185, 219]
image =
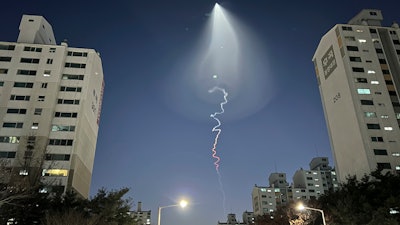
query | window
[380, 152]
[63, 142]
[347, 28]
[396, 42]
[38, 111]
[66, 114]
[47, 73]
[44, 85]
[29, 60]
[68, 101]
[7, 47]
[52, 50]
[7, 155]
[377, 139]
[362, 40]
[82, 54]
[373, 126]
[16, 111]
[35, 126]
[71, 89]
[374, 82]
[388, 81]
[55, 172]
[396, 154]
[392, 93]
[360, 80]
[355, 59]
[349, 38]
[23, 84]
[379, 50]
[385, 71]
[3, 71]
[75, 65]
[367, 102]
[72, 77]
[12, 125]
[1, 83]
[20, 97]
[9, 139]
[384, 116]
[382, 166]
[49, 61]
[26, 72]
[382, 61]
[5, 59]
[41, 98]
[60, 157]
[371, 72]
[352, 48]
[373, 13]
[373, 31]
[363, 91]
[358, 69]
[388, 128]
[32, 49]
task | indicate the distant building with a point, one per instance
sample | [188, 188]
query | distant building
[50, 105]
[248, 217]
[140, 216]
[231, 221]
[358, 72]
[307, 184]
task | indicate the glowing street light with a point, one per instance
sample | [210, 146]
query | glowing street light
[182, 204]
[302, 207]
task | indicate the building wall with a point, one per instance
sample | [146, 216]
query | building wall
[350, 72]
[58, 111]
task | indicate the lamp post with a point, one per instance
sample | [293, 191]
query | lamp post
[302, 207]
[182, 204]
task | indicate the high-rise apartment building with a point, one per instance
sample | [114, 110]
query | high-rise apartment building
[50, 107]
[358, 73]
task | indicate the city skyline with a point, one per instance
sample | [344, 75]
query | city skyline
[163, 152]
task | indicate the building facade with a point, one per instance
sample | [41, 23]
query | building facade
[50, 106]
[141, 217]
[358, 72]
[307, 184]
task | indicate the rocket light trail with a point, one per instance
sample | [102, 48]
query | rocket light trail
[218, 130]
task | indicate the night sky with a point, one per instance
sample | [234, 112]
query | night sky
[156, 132]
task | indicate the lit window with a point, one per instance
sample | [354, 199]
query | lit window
[35, 126]
[359, 31]
[55, 172]
[397, 168]
[363, 91]
[362, 40]
[374, 82]
[23, 172]
[317, 185]
[384, 116]
[47, 73]
[396, 154]
[388, 128]
[371, 72]
[263, 189]
[268, 190]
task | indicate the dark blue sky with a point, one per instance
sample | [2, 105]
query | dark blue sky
[160, 145]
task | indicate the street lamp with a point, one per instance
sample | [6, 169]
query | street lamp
[182, 203]
[302, 207]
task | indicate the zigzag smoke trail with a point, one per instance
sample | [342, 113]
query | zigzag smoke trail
[218, 130]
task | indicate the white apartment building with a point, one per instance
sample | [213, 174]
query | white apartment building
[50, 105]
[141, 217]
[231, 220]
[307, 184]
[358, 72]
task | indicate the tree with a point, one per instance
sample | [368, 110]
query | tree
[367, 201]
